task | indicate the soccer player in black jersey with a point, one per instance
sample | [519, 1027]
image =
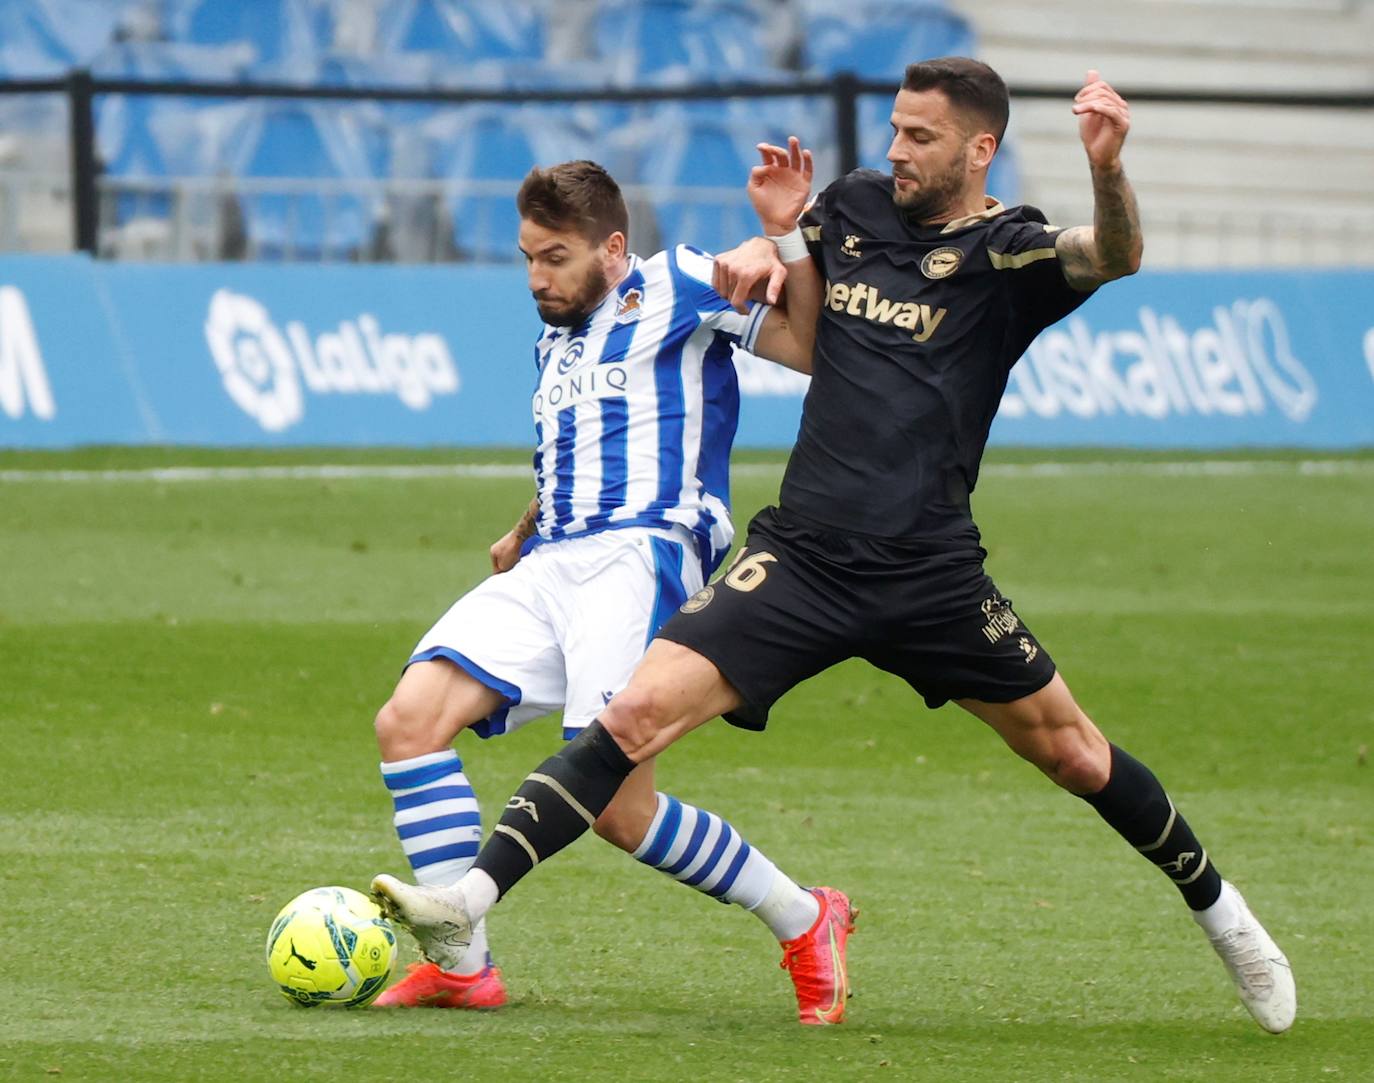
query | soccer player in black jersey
[926, 292]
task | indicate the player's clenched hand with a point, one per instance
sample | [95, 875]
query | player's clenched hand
[750, 272]
[1104, 118]
[780, 187]
[505, 554]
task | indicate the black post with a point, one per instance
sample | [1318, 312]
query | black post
[847, 120]
[85, 213]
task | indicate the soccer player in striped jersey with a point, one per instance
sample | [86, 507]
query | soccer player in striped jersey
[635, 408]
[933, 292]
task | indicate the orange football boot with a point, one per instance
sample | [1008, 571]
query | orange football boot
[426, 986]
[816, 960]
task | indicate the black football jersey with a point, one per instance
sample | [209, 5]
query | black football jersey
[919, 329]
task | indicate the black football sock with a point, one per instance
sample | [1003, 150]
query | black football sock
[555, 804]
[1135, 804]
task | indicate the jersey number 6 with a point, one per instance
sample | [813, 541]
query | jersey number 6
[747, 572]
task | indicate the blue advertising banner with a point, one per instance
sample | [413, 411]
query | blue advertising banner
[222, 354]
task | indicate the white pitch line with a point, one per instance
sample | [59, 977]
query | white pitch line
[404, 472]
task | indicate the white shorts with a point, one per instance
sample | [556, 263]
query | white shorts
[566, 626]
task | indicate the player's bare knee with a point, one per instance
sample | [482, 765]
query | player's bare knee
[403, 732]
[635, 717]
[1079, 760]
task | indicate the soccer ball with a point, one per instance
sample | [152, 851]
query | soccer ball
[331, 945]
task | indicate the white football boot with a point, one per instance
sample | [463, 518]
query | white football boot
[436, 916]
[1261, 972]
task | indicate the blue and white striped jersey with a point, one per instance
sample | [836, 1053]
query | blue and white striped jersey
[636, 408]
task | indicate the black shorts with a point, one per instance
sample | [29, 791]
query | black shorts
[801, 597]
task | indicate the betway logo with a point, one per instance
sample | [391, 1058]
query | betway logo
[866, 301]
[264, 367]
[23, 379]
[1238, 365]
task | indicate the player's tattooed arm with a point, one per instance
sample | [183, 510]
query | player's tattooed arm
[505, 553]
[1111, 247]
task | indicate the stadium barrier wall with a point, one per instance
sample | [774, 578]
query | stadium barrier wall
[239, 355]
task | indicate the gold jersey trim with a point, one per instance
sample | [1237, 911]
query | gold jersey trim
[1011, 261]
[991, 210]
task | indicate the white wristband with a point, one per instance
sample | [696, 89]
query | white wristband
[791, 246]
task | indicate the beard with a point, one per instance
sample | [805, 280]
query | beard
[935, 196]
[573, 312]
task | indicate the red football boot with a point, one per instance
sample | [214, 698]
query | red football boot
[426, 986]
[816, 960]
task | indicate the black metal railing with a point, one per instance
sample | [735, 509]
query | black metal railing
[844, 91]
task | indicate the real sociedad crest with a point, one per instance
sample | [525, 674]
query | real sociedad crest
[629, 308]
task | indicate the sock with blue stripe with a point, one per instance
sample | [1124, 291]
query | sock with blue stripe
[440, 827]
[701, 850]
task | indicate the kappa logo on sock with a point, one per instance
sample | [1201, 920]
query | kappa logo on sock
[523, 804]
[1179, 865]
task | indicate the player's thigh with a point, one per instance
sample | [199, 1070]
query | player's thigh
[766, 624]
[1052, 731]
[971, 645]
[672, 692]
[432, 703]
[606, 620]
[502, 635]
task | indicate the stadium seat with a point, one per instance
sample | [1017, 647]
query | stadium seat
[43, 38]
[277, 29]
[174, 60]
[877, 40]
[462, 30]
[677, 42]
[406, 70]
[323, 155]
[483, 153]
[695, 164]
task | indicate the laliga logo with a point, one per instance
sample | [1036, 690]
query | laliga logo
[253, 360]
[263, 369]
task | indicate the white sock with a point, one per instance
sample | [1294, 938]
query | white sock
[479, 894]
[1225, 913]
[439, 824]
[788, 910]
[703, 851]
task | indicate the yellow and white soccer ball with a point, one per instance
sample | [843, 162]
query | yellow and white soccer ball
[331, 945]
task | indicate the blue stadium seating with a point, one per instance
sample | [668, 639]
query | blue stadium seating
[42, 38]
[877, 40]
[277, 29]
[291, 139]
[174, 60]
[688, 159]
[676, 42]
[486, 151]
[462, 30]
[696, 164]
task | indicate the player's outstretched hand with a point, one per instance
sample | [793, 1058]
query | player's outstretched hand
[750, 272]
[780, 187]
[505, 554]
[1104, 118]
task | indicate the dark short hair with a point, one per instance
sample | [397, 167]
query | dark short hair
[974, 89]
[574, 195]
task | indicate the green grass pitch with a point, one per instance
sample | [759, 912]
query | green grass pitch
[189, 670]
